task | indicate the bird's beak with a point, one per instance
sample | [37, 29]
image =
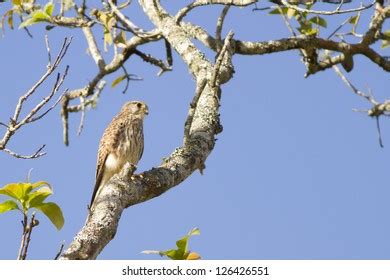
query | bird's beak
[146, 112]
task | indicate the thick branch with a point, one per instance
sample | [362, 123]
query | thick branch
[337, 11]
[299, 42]
[123, 190]
[93, 49]
[129, 24]
[239, 3]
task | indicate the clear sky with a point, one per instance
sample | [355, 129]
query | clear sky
[296, 174]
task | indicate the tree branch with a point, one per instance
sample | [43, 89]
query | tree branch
[337, 11]
[93, 49]
[15, 123]
[197, 3]
[123, 190]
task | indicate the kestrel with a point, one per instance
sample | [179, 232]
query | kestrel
[122, 142]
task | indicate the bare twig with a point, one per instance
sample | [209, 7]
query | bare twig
[378, 127]
[48, 49]
[26, 236]
[197, 3]
[62, 8]
[338, 28]
[25, 28]
[337, 11]
[168, 51]
[355, 90]
[28, 179]
[16, 122]
[60, 250]
[30, 116]
[220, 58]
[128, 78]
[287, 22]
[93, 49]
[82, 118]
[220, 22]
[130, 26]
[50, 108]
[377, 110]
[50, 70]
[32, 224]
[66, 109]
[36, 154]
[157, 62]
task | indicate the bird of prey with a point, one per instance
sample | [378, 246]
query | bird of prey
[122, 142]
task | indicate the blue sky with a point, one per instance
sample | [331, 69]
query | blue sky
[296, 174]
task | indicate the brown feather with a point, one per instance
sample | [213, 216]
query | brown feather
[125, 127]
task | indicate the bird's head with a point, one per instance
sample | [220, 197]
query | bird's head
[136, 108]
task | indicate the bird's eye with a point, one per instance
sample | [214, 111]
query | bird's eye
[139, 105]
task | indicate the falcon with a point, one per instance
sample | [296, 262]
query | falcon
[122, 142]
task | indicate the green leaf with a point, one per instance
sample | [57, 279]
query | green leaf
[11, 19]
[319, 21]
[16, 190]
[40, 184]
[118, 80]
[107, 38]
[40, 15]
[387, 34]
[26, 23]
[182, 244]
[37, 16]
[279, 11]
[385, 44]
[53, 212]
[353, 20]
[174, 254]
[108, 21]
[306, 28]
[309, 4]
[120, 39]
[194, 231]
[38, 196]
[386, 40]
[8, 205]
[290, 13]
[181, 252]
[310, 32]
[49, 7]
[9, 16]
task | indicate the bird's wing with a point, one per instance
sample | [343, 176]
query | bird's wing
[108, 144]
